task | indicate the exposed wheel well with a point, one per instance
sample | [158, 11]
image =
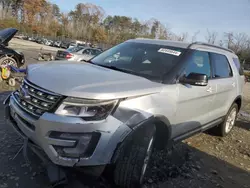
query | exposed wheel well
[238, 101]
[12, 56]
[162, 135]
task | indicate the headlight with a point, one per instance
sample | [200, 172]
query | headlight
[90, 110]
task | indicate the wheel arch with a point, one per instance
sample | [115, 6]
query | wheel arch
[163, 131]
[163, 134]
[238, 101]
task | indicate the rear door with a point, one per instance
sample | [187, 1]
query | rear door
[222, 75]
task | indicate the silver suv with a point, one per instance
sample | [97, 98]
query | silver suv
[139, 95]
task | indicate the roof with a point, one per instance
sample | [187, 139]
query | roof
[178, 44]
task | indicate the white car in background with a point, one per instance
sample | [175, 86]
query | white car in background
[78, 53]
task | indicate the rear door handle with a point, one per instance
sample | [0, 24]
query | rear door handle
[233, 84]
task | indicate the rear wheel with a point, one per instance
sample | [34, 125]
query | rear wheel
[134, 157]
[8, 61]
[226, 127]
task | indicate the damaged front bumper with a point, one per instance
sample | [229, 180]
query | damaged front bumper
[68, 141]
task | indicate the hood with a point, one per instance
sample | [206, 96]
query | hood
[89, 81]
[6, 35]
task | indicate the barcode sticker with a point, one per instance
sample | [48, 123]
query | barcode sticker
[168, 51]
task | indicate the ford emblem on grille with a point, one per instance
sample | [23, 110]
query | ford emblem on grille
[24, 94]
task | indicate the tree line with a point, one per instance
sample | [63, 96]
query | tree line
[90, 23]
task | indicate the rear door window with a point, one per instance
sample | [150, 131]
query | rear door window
[95, 52]
[220, 66]
[86, 52]
[238, 65]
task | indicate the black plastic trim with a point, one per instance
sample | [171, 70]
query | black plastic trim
[199, 129]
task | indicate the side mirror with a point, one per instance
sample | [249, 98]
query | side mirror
[195, 79]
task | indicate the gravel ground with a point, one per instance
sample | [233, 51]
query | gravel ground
[202, 161]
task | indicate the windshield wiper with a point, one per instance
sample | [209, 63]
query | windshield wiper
[114, 68]
[118, 69]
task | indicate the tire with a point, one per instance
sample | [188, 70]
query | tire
[8, 61]
[227, 125]
[12, 82]
[134, 155]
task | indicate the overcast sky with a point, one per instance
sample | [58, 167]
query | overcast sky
[179, 15]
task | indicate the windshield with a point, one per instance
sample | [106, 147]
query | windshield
[148, 60]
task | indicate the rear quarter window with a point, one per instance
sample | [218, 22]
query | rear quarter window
[238, 65]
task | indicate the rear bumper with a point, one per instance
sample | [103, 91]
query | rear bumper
[99, 150]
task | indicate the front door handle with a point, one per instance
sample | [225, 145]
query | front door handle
[209, 89]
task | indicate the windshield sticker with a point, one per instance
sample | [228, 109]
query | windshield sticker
[168, 51]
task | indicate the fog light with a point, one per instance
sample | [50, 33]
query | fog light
[82, 142]
[80, 148]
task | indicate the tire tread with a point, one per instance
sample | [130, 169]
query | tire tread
[131, 157]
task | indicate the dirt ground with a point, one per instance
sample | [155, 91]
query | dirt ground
[202, 161]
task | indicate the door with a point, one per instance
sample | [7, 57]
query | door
[222, 75]
[194, 103]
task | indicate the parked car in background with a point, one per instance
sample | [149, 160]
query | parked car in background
[72, 44]
[77, 53]
[20, 36]
[65, 44]
[48, 42]
[57, 44]
[9, 56]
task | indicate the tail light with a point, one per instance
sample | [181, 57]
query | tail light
[69, 55]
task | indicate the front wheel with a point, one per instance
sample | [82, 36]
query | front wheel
[8, 61]
[134, 157]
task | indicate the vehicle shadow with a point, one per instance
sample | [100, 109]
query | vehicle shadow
[244, 121]
[186, 166]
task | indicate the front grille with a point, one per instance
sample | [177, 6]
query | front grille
[35, 100]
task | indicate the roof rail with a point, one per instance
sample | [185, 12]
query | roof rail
[211, 45]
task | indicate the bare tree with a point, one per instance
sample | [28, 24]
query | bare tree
[240, 42]
[183, 37]
[221, 43]
[211, 37]
[5, 6]
[195, 36]
[229, 37]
